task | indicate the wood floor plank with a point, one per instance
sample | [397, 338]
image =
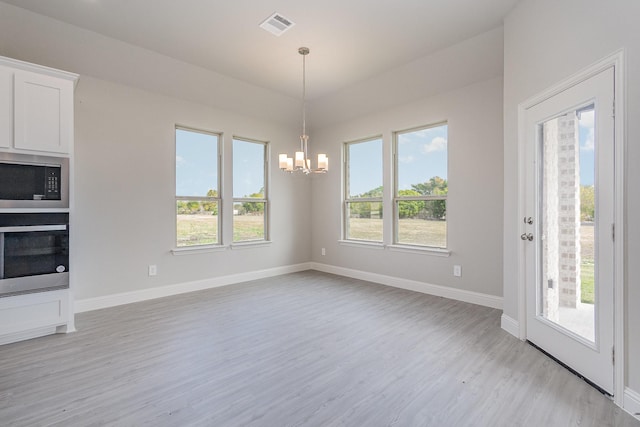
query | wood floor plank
[304, 349]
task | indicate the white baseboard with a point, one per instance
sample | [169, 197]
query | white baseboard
[631, 402]
[413, 285]
[97, 303]
[27, 335]
[510, 325]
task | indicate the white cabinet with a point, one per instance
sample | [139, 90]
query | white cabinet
[36, 117]
[43, 112]
[36, 108]
[6, 107]
[32, 315]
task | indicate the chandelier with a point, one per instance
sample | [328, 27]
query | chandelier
[301, 162]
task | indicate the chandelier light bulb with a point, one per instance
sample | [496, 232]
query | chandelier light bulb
[301, 161]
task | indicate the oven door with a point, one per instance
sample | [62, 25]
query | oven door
[33, 257]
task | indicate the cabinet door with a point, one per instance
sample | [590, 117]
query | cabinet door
[6, 107]
[43, 113]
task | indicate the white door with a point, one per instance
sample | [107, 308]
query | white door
[568, 230]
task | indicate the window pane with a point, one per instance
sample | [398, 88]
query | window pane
[365, 169]
[197, 222]
[422, 222]
[248, 221]
[248, 169]
[422, 160]
[196, 164]
[364, 221]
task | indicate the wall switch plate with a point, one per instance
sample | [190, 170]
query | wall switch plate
[323, 252]
[457, 270]
[153, 270]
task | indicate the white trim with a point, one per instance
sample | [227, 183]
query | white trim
[190, 250]
[250, 244]
[424, 250]
[617, 60]
[27, 335]
[631, 402]
[97, 303]
[413, 285]
[361, 244]
[40, 69]
[619, 244]
[510, 325]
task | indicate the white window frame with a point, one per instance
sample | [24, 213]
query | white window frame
[347, 199]
[217, 199]
[397, 198]
[264, 199]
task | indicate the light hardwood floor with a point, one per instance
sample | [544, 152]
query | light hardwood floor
[305, 349]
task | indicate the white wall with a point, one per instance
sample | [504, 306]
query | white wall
[474, 60]
[125, 217]
[128, 101]
[545, 42]
[35, 38]
[474, 205]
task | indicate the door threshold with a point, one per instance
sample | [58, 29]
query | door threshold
[573, 371]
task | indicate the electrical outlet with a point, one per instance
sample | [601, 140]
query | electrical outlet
[457, 270]
[323, 252]
[153, 270]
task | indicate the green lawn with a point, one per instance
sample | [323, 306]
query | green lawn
[587, 277]
[248, 227]
[202, 229]
[411, 231]
[587, 280]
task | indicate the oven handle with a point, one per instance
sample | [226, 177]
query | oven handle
[29, 228]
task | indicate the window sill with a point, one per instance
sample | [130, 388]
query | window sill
[250, 244]
[420, 250]
[361, 244]
[189, 250]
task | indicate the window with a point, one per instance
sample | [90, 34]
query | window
[197, 188]
[363, 190]
[420, 194]
[249, 190]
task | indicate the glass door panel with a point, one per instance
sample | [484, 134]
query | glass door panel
[566, 288]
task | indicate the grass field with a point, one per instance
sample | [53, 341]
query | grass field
[416, 231]
[411, 231]
[202, 229]
[199, 229]
[587, 267]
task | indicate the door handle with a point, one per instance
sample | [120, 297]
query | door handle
[527, 236]
[528, 220]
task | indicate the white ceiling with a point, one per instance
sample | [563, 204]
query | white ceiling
[350, 40]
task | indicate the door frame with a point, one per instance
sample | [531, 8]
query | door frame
[616, 60]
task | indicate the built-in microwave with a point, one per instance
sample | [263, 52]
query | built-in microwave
[29, 181]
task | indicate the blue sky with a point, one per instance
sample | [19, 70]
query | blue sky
[586, 125]
[248, 168]
[365, 166]
[197, 166]
[422, 154]
[196, 163]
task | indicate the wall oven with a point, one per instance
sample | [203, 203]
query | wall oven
[34, 252]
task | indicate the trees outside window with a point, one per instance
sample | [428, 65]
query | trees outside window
[363, 190]
[421, 187]
[250, 202]
[197, 188]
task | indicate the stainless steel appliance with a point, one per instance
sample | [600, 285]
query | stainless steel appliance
[28, 181]
[34, 252]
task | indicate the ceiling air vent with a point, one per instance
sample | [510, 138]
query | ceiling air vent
[277, 24]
